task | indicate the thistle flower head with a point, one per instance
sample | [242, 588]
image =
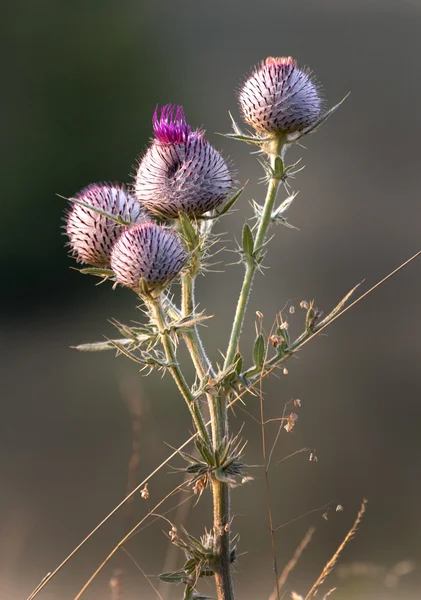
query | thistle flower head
[180, 171]
[92, 235]
[147, 252]
[280, 98]
[171, 127]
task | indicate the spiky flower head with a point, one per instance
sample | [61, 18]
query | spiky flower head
[147, 253]
[180, 171]
[279, 98]
[92, 235]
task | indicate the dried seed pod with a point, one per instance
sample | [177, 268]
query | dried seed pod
[180, 171]
[279, 98]
[147, 252]
[91, 235]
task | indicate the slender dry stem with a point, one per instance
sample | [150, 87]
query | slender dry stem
[125, 538]
[293, 562]
[329, 566]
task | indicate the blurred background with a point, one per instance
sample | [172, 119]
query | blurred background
[80, 83]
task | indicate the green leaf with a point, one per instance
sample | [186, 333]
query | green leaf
[205, 453]
[278, 170]
[196, 468]
[259, 351]
[238, 363]
[231, 201]
[98, 272]
[188, 231]
[173, 577]
[248, 240]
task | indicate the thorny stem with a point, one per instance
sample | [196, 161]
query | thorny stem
[221, 523]
[159, 315]
[252, 266]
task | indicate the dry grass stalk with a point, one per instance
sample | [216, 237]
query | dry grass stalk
[328, 568]
[125, 538]
[292, 563]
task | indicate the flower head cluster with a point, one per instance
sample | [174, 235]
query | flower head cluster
[147, 252]
[180, 171]
[93, 235]
[279, 98]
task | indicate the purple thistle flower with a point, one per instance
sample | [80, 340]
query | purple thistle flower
[172, 126]
[180, 171]
[91, 235]
[147, 252]
[280, 98]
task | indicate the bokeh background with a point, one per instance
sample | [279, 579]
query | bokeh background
[80, 83]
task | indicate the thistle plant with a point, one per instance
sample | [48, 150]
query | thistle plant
[159, 233]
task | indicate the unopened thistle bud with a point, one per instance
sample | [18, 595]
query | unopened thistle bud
[147, 253]
[92, 235]
[180, 171]
[279, 98]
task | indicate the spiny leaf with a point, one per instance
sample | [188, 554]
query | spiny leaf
[236, 128]
[231, 201]
[117, 219]
[283, 207]
[321, 120]
[205, 453]
[249, 139]
[101, 346]
[188, 231]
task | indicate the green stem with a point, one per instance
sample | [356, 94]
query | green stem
[252, 266]
[221, 524]
[193, 341]
[201, 362]
[160, 318]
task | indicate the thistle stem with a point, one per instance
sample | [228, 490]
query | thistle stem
[201, 362]
[161, 322]
[193, 341]
[221, 524]
[251, 267]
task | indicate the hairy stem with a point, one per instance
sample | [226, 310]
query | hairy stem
[221, 523]
[201, 362]
[252, 266]
[193, 341]
[161, 321]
